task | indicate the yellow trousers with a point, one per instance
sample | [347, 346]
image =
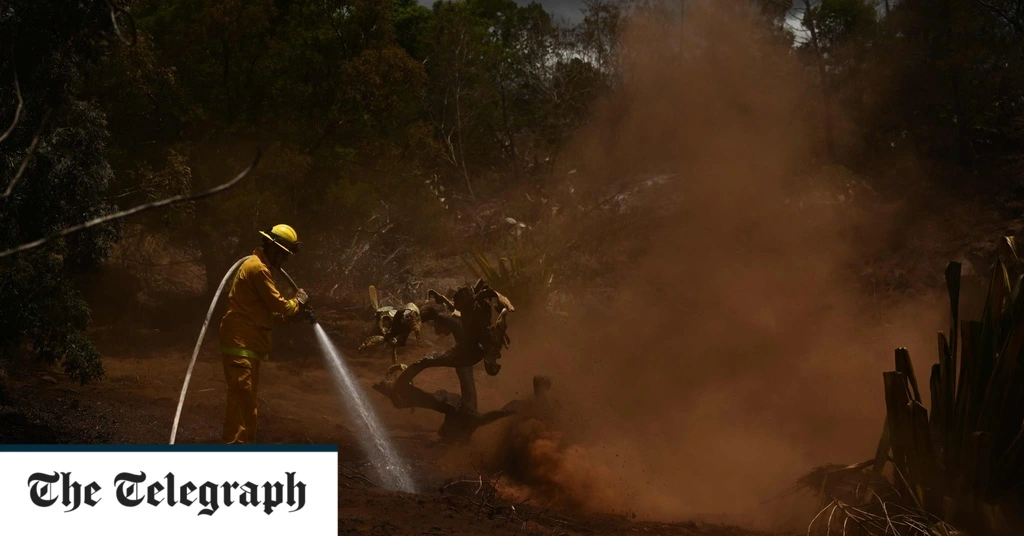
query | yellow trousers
[242, 376]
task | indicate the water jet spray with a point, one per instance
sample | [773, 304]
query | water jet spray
[391, 469]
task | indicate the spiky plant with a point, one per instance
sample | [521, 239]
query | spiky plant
[962, 462]
[524, 279]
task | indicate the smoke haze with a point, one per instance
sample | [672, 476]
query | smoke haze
[740, 350]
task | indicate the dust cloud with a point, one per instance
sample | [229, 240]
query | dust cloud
[740, 350]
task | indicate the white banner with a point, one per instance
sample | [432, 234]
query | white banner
[179, 490]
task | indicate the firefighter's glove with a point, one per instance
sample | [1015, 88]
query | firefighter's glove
[306, 314]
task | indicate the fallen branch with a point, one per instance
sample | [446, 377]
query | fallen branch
[888, 519]
[356, 474]
[857, 498]
[135, 210]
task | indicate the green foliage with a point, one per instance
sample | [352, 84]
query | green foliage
[917, 81]
[838, 21]
[42, 309]
[412, 25]
[365, 106]
[65, 180]
[526, 279]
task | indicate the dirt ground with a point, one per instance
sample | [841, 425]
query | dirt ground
[135, 403]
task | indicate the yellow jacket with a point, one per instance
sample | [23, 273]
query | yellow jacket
[253, 305]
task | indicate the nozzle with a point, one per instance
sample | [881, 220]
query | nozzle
[310, 315]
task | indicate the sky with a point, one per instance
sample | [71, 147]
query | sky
[569, 9]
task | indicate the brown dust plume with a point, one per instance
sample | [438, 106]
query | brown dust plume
[739, 350]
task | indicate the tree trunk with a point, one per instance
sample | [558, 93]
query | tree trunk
[513, 153]
[826, 97]
[962, 142]
[214, 263]
[462, 150]
[467, 388]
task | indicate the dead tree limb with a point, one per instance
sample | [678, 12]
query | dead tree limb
[461, 417]
[21, 101]
[27, 158]
[468, 317]
[116, 10]
[135, 210]
[1006, 16]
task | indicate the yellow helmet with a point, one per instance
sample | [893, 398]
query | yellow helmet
[284, 236]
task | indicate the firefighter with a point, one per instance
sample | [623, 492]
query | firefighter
[254, 306]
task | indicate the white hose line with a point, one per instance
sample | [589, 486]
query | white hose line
[199, 343]
[290, 280]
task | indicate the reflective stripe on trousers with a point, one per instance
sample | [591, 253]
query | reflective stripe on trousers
[244, 352]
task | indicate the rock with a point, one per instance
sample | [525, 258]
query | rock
[48, 379]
